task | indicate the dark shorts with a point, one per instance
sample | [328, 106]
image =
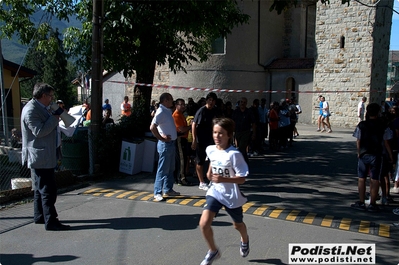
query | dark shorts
[214, 205]
[386, 167]
[369, 164]
[200, 153]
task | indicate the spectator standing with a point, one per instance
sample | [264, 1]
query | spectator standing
[326, 116]
[228, 110]
[256, 141]
[202, 134]
[156, 106]
[182, 131]
[15, 138]
[293, 118]
[164, 129]
[107, 106]
[86, 108]
[263, 130]
[297, 112]
[244, 122]
[107, 120]
[152, 106]
[191, 109]
[370, 135]
[283, 124]
[39, 144]
[126, 108]
[320, 108]
[361, 109]
[273, 124]
[226, 171]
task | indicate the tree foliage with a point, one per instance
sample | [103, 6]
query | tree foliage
[51, 67]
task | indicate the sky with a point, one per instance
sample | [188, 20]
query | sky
[395, 28]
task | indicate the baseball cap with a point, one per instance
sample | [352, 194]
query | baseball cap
[60, 101]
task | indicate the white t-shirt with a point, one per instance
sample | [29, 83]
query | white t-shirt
[228, 163]
[326, 110]
[166, 124]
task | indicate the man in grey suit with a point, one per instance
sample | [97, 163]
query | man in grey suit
[39, 143]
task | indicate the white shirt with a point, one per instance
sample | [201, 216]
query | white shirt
[166, 124]
[228, 163]
[326, 109]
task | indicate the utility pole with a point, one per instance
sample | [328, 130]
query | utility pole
[96, 82]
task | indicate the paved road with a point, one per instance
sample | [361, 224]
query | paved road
[116, 221]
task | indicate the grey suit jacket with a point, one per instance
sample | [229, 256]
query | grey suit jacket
[39, 136]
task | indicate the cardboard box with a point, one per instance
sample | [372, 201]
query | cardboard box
[131, 158]
[150, 149]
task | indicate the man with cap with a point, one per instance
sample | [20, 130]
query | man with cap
[106, 106]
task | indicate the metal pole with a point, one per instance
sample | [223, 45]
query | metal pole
[3, 100]
[96, 81]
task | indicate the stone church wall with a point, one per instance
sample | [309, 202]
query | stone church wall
[352, 56]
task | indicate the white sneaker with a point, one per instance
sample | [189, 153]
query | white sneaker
[203, 186]
[158, 197]
[394, 190]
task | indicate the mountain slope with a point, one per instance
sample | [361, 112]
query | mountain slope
[15, 52]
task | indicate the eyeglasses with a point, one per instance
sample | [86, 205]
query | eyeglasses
[50, 95]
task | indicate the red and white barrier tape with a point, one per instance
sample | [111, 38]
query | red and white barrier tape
[238, 90]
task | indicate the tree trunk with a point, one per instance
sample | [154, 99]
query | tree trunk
[146, 76]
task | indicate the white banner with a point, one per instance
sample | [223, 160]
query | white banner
[299, 253]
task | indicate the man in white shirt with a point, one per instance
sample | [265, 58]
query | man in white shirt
[164, 129]
[361, 109]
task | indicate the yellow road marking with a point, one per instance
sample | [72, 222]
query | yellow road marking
[125, 194]
[364, 227]
[171, 200]
[146, 198]
[200, 202]
[246, 206]
[261, 210]
[112, 193]
[345, 224]
[186, 201]
[309, 218]
[292, 215]
[276, 213]
[91, 191]
[384, 230]
[327, 220]
[100, 192]
[137, 195]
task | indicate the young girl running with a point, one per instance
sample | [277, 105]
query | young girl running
[227, 169]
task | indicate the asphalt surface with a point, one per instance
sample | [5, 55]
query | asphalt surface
[297, 195]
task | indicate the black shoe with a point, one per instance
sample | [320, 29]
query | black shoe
[373, 208]
[40, 221]
[359, 206]
[57, 227]
[184, 182]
